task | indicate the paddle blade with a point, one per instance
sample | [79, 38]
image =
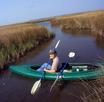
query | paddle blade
[71, 54]
[36, 87]
[57, 44]
[54, 84]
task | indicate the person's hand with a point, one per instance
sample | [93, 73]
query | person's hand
[45, 69]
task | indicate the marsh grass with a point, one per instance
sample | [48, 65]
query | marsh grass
[93, 21]
[16, 40]
[95, 90]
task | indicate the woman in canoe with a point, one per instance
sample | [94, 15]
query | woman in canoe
[51, 68]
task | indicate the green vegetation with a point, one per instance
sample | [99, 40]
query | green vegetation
[16, 40]
[93, 21]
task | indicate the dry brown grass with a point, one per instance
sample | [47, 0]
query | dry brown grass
[15, 40]
[21, 34]
[95, 90]
[93, 21]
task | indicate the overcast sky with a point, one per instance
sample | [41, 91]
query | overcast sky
[13, 11]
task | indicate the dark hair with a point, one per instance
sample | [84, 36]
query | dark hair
[52, 51]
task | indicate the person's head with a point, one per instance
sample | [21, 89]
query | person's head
[52, 54]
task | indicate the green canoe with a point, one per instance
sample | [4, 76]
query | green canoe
[72, 72]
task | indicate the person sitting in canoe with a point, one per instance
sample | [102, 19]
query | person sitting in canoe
[51, 68]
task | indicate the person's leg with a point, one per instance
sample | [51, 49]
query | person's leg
[45, 65]
[48, 66]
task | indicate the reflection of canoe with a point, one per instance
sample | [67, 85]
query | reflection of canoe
[73, 72]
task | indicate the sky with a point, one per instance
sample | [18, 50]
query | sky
[15, 11]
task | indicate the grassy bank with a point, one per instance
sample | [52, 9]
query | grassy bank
[94, 88]
[16, 40]
[95, 91]
[93, 21]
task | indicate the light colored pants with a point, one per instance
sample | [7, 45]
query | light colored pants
[45, 65]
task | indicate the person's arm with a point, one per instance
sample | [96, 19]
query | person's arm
[54, 66]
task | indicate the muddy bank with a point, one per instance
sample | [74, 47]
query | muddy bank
[16, 40]
[92, 21]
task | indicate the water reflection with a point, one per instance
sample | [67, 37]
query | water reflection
[100, 41]
[69, 91]
[78, 33]
[57, 92]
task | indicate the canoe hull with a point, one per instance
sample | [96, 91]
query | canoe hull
[28, 71]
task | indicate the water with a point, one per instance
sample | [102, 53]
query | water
[14, 88]
[88, 48]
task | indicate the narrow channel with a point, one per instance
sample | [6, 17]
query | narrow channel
[15, 88]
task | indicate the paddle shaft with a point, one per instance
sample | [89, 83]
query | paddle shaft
[71, 54]
[37, 84]
[63, 67]
[58, 76]
[49, 60]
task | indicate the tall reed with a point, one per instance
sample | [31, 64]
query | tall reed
[17, 39]
[93, 21]
[95, 90]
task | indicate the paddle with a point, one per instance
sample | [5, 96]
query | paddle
[70, 55]
[37, 84]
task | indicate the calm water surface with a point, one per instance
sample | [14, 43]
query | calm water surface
[88, 48]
